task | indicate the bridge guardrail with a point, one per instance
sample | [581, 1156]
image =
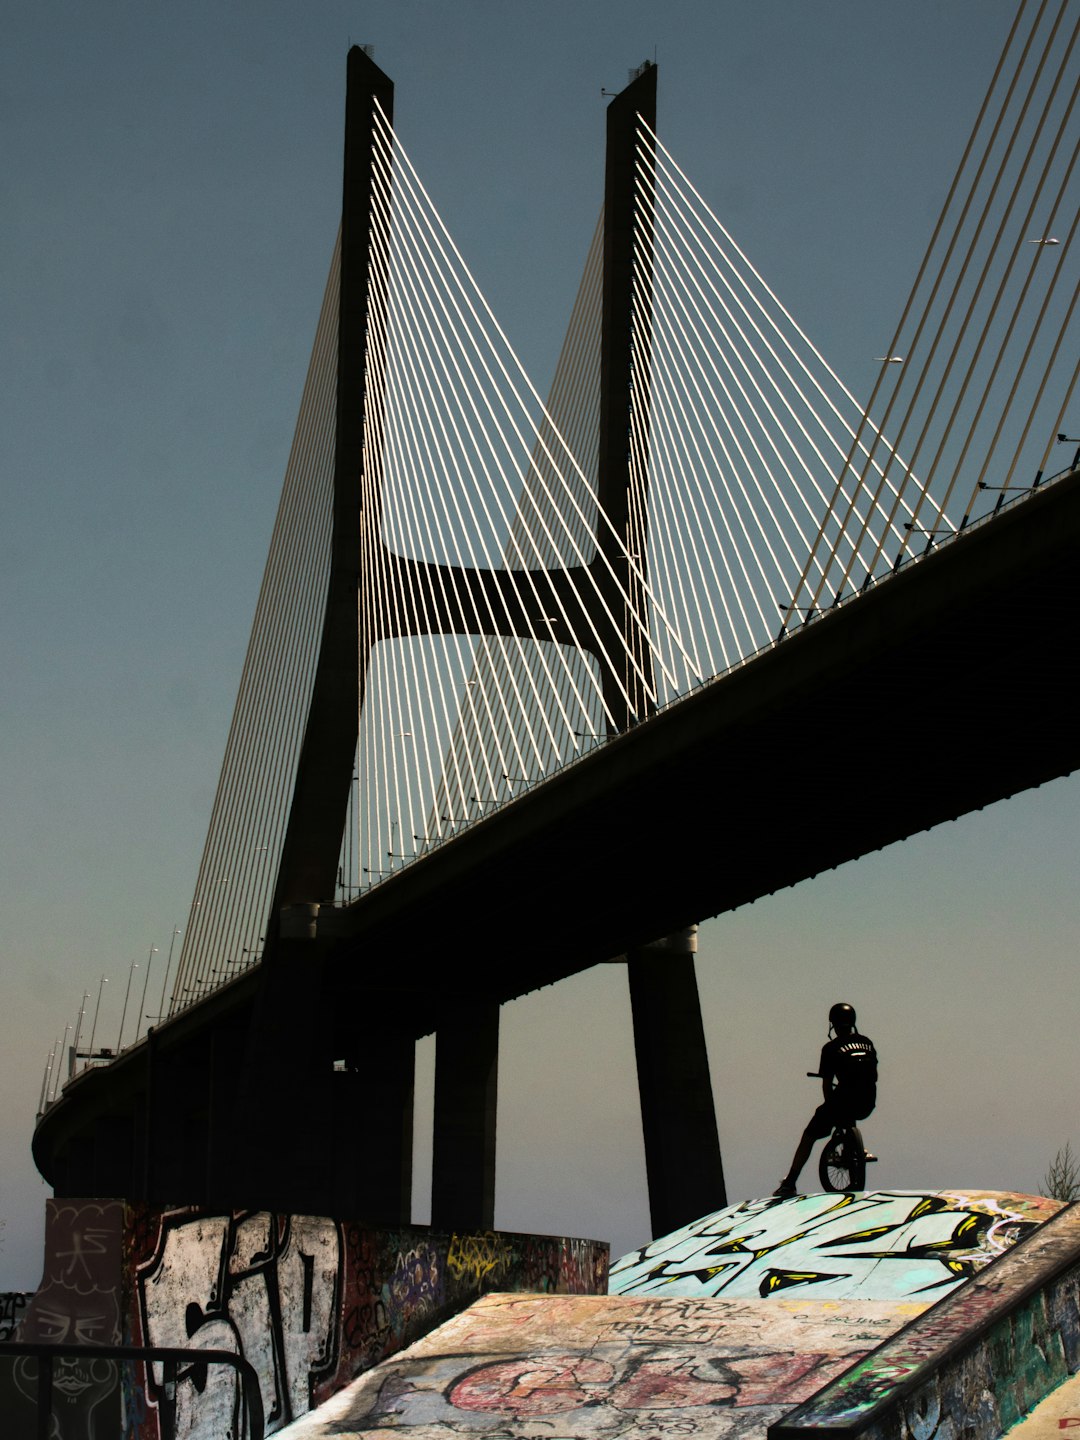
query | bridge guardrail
[170, 1358]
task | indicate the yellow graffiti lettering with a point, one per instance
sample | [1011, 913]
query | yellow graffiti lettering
[474, 1256]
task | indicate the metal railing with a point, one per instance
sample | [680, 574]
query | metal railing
[170, 1359]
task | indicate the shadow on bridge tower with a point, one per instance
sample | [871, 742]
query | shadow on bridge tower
[295, 1107]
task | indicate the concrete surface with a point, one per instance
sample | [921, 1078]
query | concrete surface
[595, 1368]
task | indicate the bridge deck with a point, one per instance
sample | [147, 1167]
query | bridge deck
[944, 689]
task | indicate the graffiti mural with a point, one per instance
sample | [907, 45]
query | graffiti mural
[611, 1368]
[310, 1302]
[877, 1245]
[257, 1284]
[394, 1290]
[398, 1284]
[969, 1357]
[79, 1302]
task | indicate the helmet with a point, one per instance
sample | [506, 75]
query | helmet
[842, 1015]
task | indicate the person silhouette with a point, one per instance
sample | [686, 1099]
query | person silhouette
[848, 1069]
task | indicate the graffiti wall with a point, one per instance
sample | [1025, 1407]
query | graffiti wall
[310, 1302]
[877, 1245]
[79, 1301]
[610, 1368]
[262, 1286]
[398, 1284]
[947, 1359]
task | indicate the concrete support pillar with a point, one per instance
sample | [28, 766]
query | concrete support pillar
[373, 1129]
[463, 1154]
[281, 1157]
[682, 1147]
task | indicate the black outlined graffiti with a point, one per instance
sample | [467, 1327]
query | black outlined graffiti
[263, 1285]
[886, 1244]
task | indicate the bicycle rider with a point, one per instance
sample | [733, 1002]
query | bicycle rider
[848, 1069]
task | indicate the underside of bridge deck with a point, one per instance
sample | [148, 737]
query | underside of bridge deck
[946, 688]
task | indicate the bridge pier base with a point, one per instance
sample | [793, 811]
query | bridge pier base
[325, 1115]
[372, 1124]
[466, 1089]
[281, 1160]
[682, 1146]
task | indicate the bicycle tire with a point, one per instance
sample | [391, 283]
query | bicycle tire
[842, 1166]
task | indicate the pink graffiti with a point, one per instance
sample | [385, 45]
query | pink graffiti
[537, 1386]
[669, 1385]
[785, 1379]
[545, 1384]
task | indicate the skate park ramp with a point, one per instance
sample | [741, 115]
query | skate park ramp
[876, 1245]
[838, 1314]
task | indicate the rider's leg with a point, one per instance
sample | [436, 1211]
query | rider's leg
[821, 1124]
[801, 1156]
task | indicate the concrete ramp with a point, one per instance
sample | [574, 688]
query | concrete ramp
[889, 1314]
[557, 1367]
[874, 1245]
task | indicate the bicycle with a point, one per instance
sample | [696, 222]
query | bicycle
[844, 1159]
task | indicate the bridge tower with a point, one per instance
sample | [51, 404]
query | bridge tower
[682, 1148]
[288, 1081]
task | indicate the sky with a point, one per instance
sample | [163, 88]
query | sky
[169, 194]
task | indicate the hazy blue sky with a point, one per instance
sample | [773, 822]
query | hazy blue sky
[170, 193]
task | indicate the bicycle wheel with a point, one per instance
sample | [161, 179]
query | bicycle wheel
[842, 1166]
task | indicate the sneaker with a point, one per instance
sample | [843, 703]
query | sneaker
[785, 1190]
[869, 1158]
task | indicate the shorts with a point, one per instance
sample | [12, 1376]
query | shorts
[840, 1109]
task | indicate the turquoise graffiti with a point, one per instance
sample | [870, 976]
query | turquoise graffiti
[878, 1245]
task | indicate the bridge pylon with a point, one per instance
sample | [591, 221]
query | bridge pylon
[682, 1148]
[673, 1071]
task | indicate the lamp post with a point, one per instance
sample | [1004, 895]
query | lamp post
[168, 967]
[63, 1046]
[78, 1031]
[97, 1007]
[146, 981]
[123, 1015]
[47, 1076]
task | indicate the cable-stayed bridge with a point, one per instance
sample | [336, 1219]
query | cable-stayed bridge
[532, 686]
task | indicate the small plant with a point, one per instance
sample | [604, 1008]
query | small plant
[1062, 1180]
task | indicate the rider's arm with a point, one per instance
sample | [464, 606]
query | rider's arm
[826, 1072]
